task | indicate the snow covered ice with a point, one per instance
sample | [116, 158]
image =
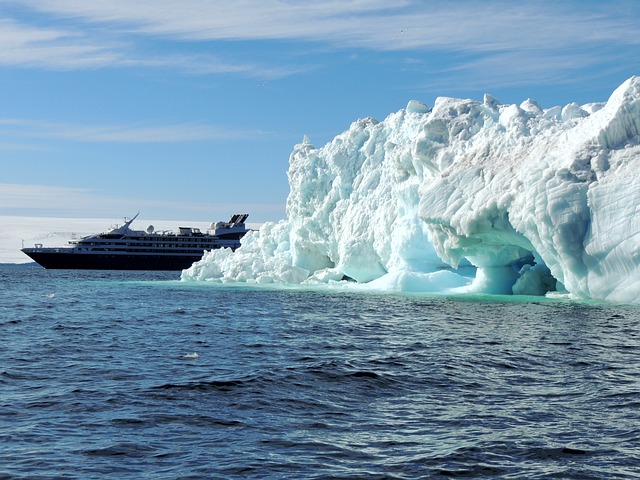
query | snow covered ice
[464, 196]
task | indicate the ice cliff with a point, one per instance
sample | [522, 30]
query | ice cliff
[536, 200]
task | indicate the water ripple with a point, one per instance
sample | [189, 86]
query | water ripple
[309, 385]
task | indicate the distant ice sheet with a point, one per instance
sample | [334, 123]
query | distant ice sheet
[17, 232]
[534, 200]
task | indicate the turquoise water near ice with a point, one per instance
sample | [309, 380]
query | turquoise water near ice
[96, 381]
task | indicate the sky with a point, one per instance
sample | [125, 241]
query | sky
[189, 109]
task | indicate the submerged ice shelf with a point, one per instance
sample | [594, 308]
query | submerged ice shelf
[533, 200]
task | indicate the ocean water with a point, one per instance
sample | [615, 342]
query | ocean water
[97, 380]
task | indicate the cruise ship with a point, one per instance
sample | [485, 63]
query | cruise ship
[122, 248]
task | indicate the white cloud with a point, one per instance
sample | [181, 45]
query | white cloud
[101, 33]
[511, 69]
[223, 19]
[466, 25]
[26, 197]
[128, 133]
[202, 64]
[48, 200]
[25, 45]
[77, 47]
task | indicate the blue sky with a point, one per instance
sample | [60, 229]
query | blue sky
[189, 109]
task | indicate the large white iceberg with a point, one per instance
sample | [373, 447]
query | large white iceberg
[536, 200]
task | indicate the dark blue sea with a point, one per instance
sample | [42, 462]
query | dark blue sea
[97, 380]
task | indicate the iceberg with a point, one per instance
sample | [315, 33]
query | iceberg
[462, 197]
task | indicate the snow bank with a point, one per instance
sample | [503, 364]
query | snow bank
[535, 200]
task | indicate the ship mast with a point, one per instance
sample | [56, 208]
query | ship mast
[128, 222]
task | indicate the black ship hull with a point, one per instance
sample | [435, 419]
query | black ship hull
[94, 261]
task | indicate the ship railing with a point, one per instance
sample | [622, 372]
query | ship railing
[39, 246]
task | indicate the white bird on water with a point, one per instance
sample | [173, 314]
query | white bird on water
[193, 355]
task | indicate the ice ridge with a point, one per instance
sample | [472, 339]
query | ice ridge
[532, 200]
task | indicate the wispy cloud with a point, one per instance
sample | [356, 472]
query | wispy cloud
[24, 45]
[109, 32]
[511, 69]
[222, 20]
[470, 25]
[14, 196]
[25, 199]
[203, 64]
[77, 47]
[17, 128]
